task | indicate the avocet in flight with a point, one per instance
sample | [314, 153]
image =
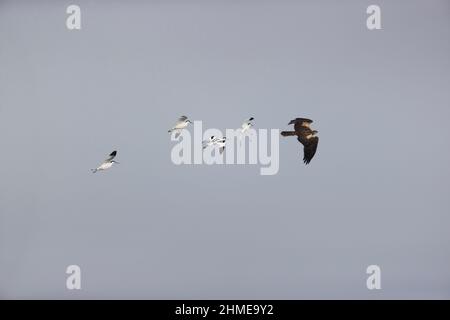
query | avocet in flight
[181, 124]
[247, 125]
[107, 163]
[214, 141]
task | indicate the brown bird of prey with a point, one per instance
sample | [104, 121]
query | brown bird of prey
[305, 135]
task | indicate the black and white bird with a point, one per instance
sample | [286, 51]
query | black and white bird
[246, 125]
[214, 141]
[221, 144]
[305, 135]
[108, 163]
[181, 124]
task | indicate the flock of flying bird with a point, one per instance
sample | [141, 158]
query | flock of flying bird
[302, 129]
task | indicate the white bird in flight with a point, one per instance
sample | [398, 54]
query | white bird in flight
[214, 141]
[244, 128]
[181, 124]
[247, 125]
[107, 163]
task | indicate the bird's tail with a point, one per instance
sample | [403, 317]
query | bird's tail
[288, 133]
[94, 170]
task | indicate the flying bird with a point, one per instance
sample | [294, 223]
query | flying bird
[107, 163]
[181, 124]
[221, 144]
[305, 135]
[244, 128]
[214, 141]
[247, 125]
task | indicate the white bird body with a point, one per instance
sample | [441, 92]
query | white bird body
[220, 142]
[209, 142]
[244, 129]
[108, 163]
[181, 124]
[105, 166]
[214, 141]
[247, 125]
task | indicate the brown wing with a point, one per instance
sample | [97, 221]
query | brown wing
[309, 148]
[302, 134]
[300, 120]
[301, 123]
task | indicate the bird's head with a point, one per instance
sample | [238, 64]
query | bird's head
[188, 121]
[114, 161]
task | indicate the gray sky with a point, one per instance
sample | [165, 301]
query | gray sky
[376, 192]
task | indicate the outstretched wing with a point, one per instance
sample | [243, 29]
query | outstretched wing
[301, 123]
[112, 155]
[300, 120]
[309, 148]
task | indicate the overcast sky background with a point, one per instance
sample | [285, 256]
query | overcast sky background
[377, 191]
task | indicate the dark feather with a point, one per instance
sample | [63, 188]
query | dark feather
[288, 133]
[300, 120]
[302, 135]
[303, 131]
[112, 155]
[302, 126]
[309, 149]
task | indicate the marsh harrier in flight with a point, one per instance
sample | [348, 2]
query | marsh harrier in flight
[305, 135]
